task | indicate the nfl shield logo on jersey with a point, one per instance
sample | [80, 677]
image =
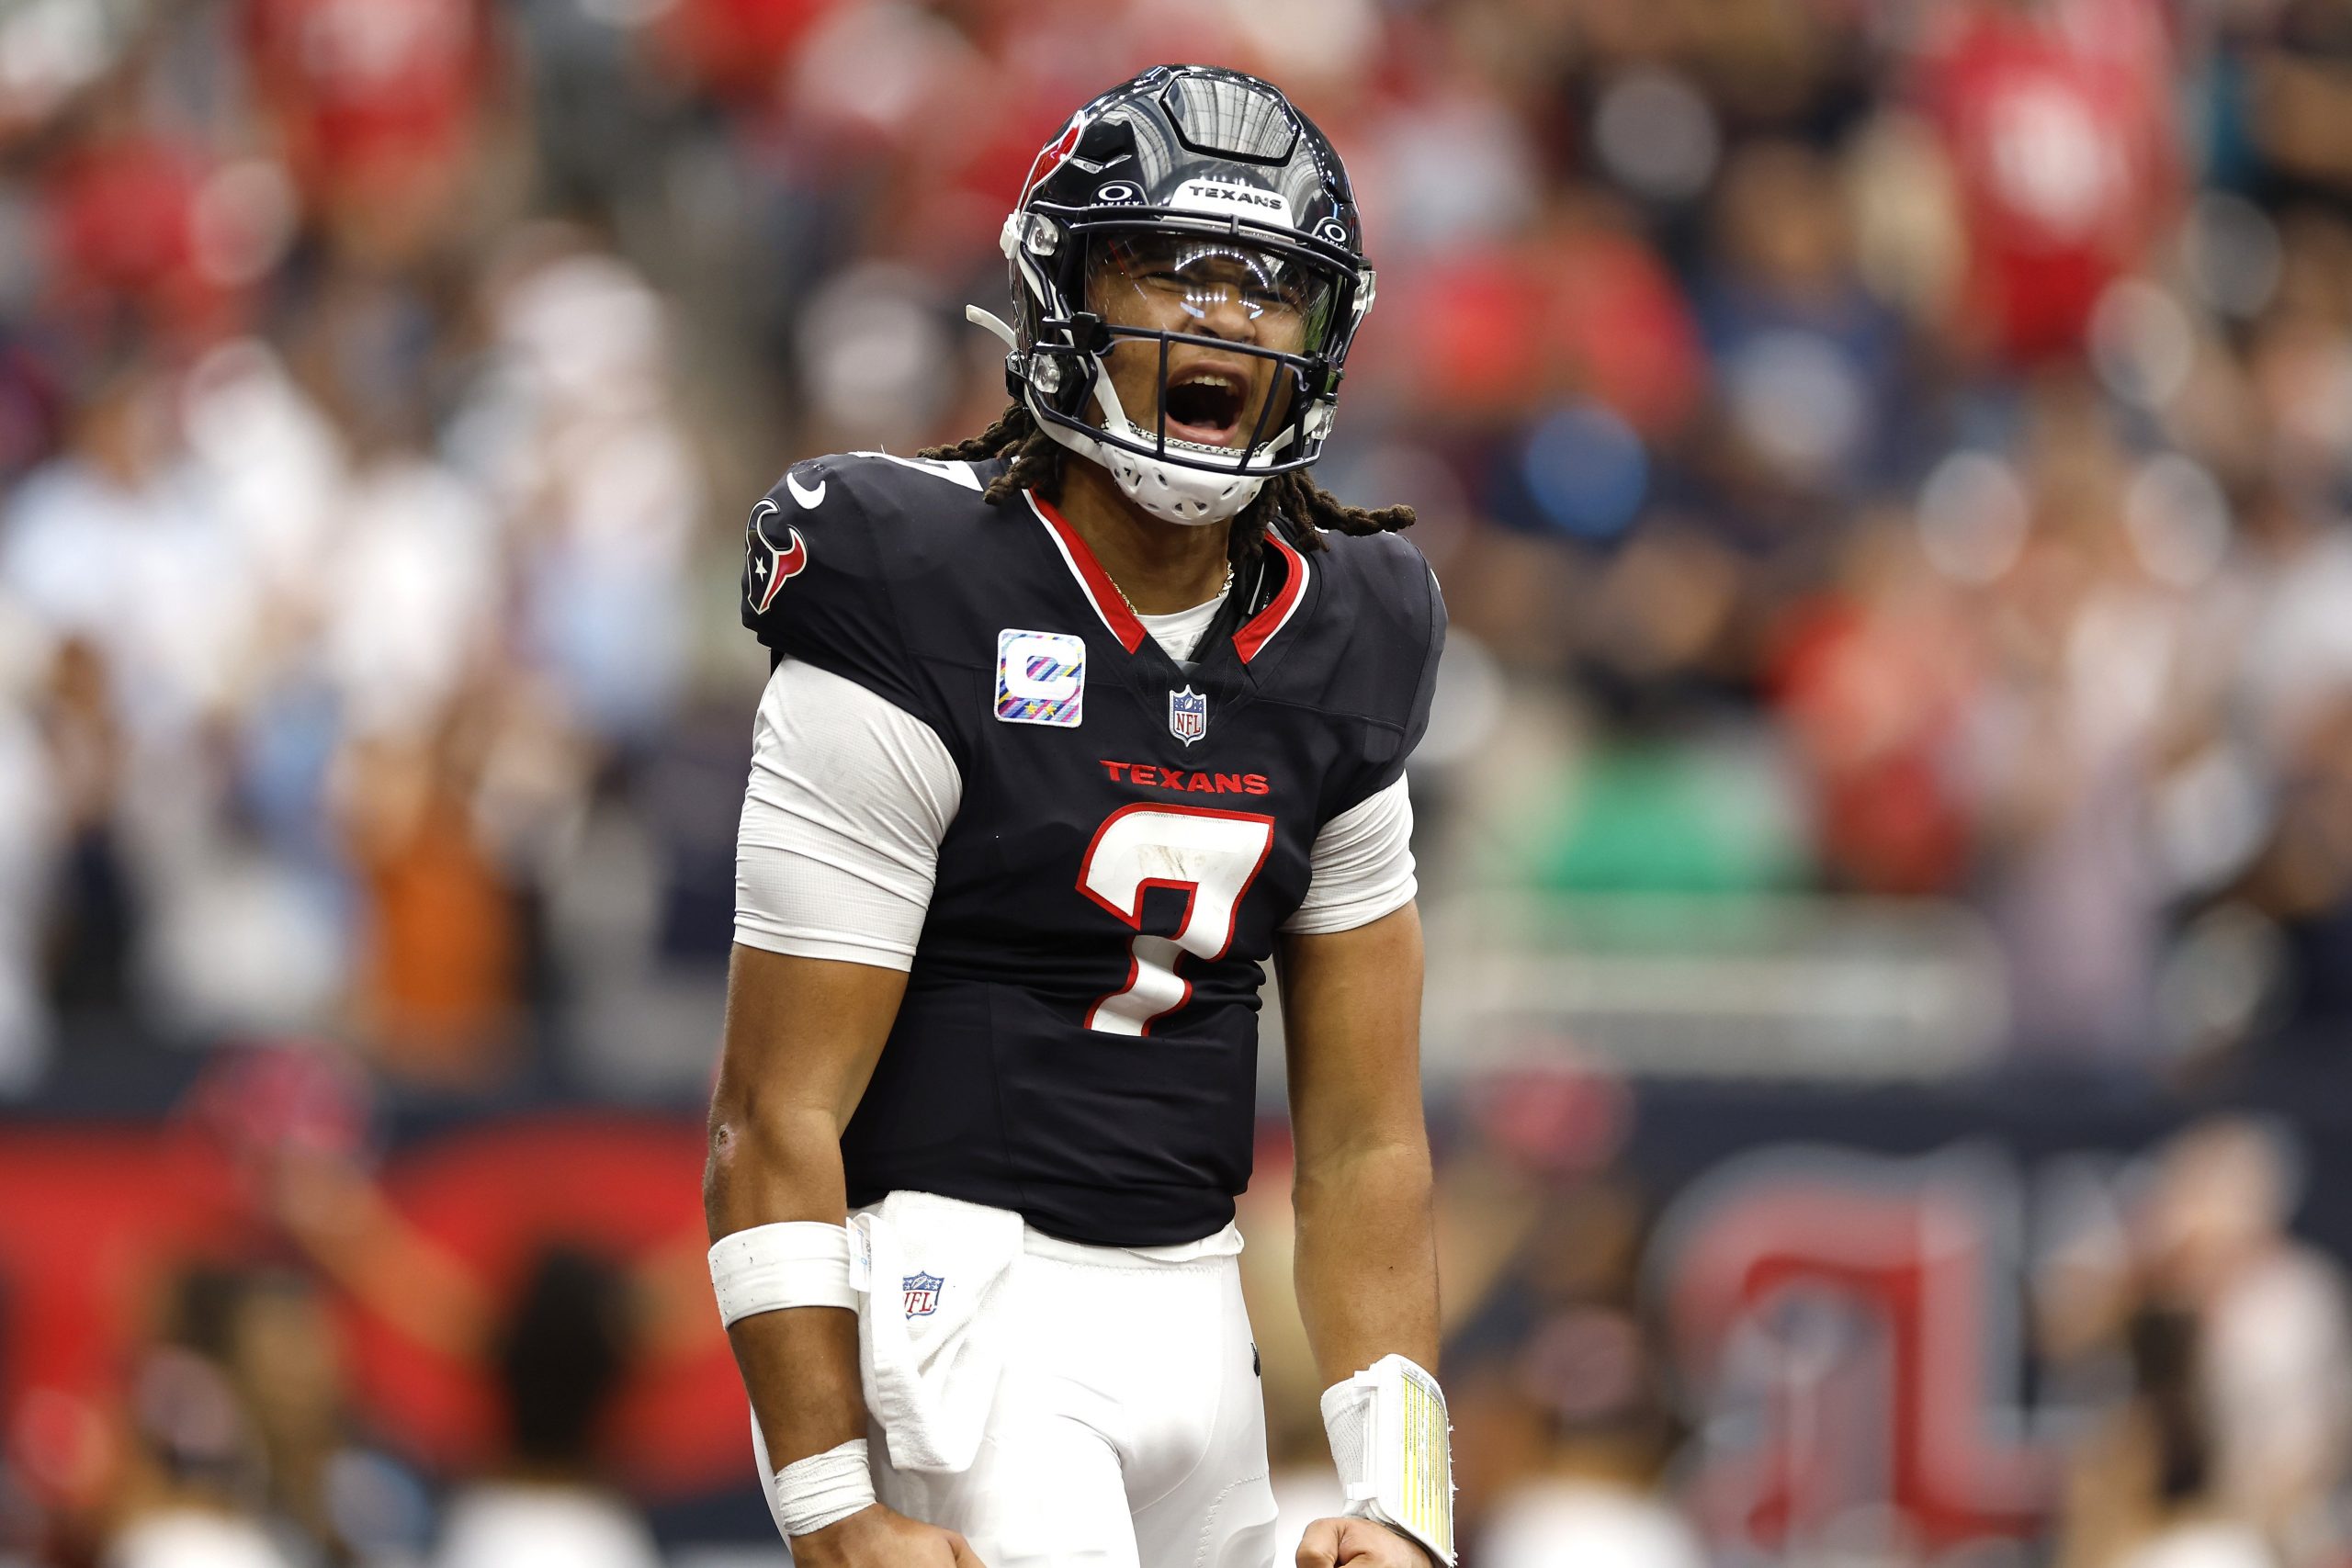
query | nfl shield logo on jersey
[922, 1293]
[1188, 715]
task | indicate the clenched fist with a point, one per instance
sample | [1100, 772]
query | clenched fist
[1358, 1543]
[877, 1538]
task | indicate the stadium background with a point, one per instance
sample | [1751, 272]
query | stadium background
[1886, 829]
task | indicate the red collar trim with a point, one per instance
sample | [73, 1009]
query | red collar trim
[1261, 626]
[1093, 580]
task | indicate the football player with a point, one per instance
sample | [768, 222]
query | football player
[1071, 727]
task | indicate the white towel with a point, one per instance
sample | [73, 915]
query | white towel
[931, 1352]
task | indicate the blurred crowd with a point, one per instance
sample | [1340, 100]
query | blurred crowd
[1805, 1360]
[2109, 1358]
[1913, 439]
[1872, 448]
[1869, 447]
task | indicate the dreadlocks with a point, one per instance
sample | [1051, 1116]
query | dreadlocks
[1303, 510]
[1036, 461]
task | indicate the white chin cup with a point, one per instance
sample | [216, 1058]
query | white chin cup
[1195, 497]
[1187, 493]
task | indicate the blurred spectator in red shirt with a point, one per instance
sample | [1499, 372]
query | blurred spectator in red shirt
[2055, 114]
[123, 215]
[1581, 305]
[378, 106]
[1873, 680]
[734, 50]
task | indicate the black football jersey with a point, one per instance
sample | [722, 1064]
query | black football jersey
[1079, 1034]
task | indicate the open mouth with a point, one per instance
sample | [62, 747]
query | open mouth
[1204, 405]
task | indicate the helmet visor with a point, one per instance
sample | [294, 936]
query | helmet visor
[1211, 285]
[1211, 336]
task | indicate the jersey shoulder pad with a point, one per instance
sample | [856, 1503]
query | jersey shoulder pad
[1395, 614]
[1395, 617]
[826, 554]
[850, 521]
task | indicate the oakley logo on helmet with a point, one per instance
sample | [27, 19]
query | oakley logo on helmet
[1118, 193]
[1332, 230]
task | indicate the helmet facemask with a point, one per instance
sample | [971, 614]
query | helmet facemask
[1201, 360]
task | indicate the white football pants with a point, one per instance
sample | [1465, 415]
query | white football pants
[1128, 1431]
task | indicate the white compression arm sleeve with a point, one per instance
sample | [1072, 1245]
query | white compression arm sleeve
[848, 801]
[1362, 867]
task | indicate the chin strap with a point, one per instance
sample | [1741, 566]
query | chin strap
[994, 323]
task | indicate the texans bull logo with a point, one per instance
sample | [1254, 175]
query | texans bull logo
[767, 564]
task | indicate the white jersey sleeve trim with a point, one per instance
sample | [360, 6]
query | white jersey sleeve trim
[848, 801]
[1362, 867]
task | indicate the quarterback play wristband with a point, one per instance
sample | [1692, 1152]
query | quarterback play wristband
[799, 1263]
[1391, 1444]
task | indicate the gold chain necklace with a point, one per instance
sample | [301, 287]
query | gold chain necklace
[1223, 589]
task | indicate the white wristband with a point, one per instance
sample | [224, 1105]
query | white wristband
[768, 1268]
[1394, 1450]
[823, 1489]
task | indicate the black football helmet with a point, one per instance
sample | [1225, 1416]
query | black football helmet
[1180, 198]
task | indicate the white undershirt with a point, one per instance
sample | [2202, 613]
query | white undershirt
[850, 797]
[1180, 632]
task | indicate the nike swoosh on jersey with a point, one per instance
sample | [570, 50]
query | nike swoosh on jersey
[810, 498]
